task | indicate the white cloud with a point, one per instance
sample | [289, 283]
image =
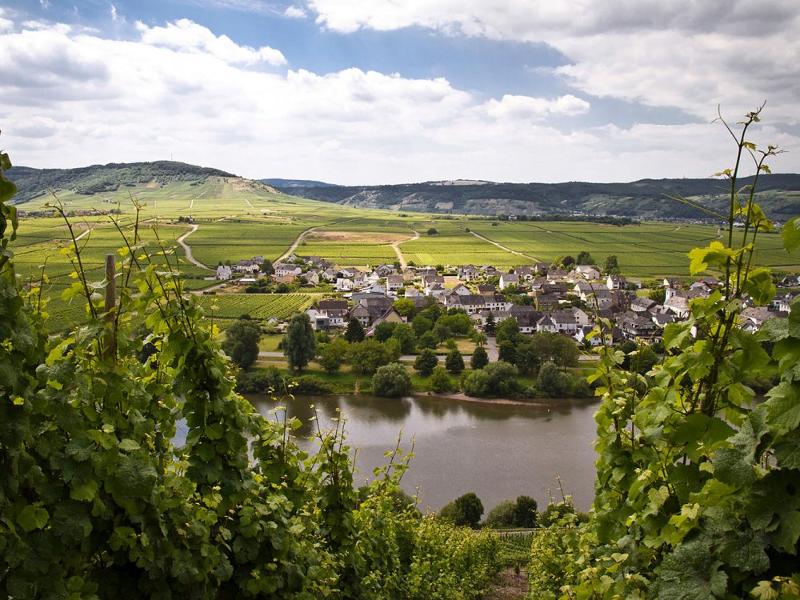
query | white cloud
[114, 15]
[74, 97]
[526, 107]
[295, 12]
[680, 53]
[187, 36]
[5, 24]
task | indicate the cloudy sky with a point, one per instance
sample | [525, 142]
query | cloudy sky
[386, 91]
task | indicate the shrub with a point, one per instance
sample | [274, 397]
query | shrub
[391, 381]
[365, 357]
[454, 362]
[333, 354]
[310, 385]
[494, 380]
[465, 510]
[553, 382]
[479, 358]
[426, 362]
[428, 340]
[440, 382]
[501, 516]
[260, 380]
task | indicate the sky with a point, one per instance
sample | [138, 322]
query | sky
[391, 91]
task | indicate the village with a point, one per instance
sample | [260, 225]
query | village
[540, 297]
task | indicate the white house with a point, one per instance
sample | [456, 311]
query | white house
[344, 285]
[284, 269]
[507, 279]
[589, 272]
[224, 272]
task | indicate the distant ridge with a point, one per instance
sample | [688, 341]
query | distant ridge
[296, 183]
[95, 179]
[779, 194]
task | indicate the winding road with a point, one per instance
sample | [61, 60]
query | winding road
[506, 248]
[296, 243]
[396, 247]
[188, 249]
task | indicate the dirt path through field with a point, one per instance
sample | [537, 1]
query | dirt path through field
[187, 249]
[506, 248]
[297, 242]
[396, 247]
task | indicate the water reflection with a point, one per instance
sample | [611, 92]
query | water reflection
[497, 451]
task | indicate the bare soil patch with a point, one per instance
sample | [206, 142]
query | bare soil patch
[357, 237]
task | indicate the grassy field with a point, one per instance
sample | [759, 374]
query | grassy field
[256, 306]
[237, 220]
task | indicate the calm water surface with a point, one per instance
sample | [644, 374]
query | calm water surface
[496, 451]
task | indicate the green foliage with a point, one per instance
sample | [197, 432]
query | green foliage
[440, 381]
[405, 337]
[365, 357]
[507, 331]
[507, 351]
[391, 381]
[355, 331]
[584, 258]
[696, 491]
[479, 358]
[454, 361]
[555, 554]
[426, 361]
[405, 307]
[612, 264]
[501, 516]
[384, 330]
[551, 381]
[525, 512]
[299, 343]
[464, 511]
[241, 342]
[333, 354]
[428, 340]
[498, 379]
[97, 501]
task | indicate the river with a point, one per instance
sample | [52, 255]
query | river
[498, 451]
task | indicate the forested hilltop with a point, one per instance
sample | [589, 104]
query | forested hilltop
[94, 179]
[779, 194]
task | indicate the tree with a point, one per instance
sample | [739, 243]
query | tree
[584, 258]
[384, 330]
[454, 362]
[241, 342]
[641, 359]
[355, 331]
[426, 361]
[267, 268]
[479, 358]
[440, 382]
[428, 340]
[391, 381]
[612, 265]
[405, 307]
[299, 343]
[525, 512]
[432, 231]
[332, 355]
[501, 516]
[552, 382]
[527, 358]
[495, 380]
[658, 295]
[464, 511]
[421, 324]
[507, 351]
[367, 356]
[405, 337]
[489, 327]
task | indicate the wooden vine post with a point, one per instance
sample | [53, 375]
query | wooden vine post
[110, 306]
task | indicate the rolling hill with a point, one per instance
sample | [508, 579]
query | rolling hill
[646, 198]
[179, 182]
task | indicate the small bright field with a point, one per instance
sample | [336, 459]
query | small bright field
[256, 306]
